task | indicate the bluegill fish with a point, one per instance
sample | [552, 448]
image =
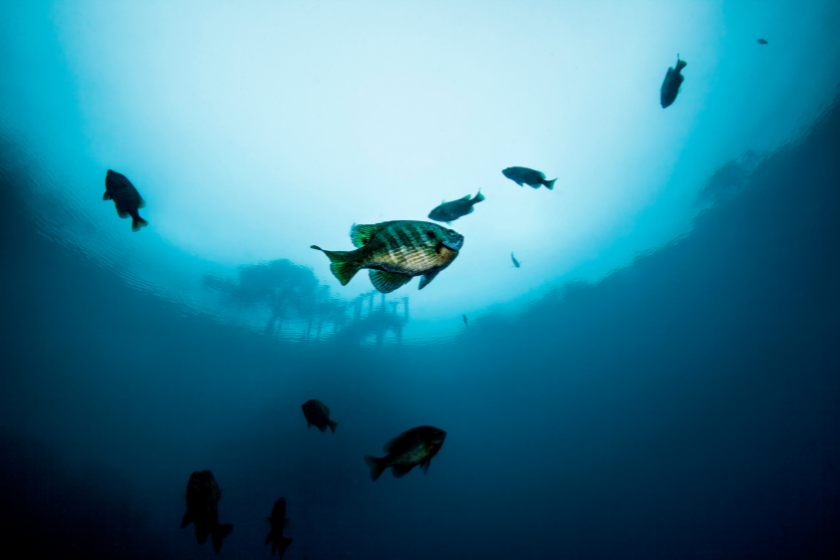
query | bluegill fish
[531, 177]
[414, 447]
[126, 198]
[395, 252]
[451, 211]
[203, 495]
[318, 414]
[278, 521]
[671, 84]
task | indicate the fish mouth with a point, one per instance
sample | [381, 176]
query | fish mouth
[454, 245]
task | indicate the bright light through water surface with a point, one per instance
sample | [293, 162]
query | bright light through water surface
[254, 130]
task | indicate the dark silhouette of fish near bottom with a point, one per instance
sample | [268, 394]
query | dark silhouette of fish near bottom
[203, 495]
[278, 521]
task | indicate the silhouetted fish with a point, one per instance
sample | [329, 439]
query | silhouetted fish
[318, 414]
[515, 262]
[203, 495]
[414, 447]
[451, 211]
[531, 177]
[278, 521]
[762, 41]
[126, 198]
[396, 252]
[465, 320]
[671, 84]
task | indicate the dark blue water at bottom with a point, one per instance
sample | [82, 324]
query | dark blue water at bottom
[687, 406]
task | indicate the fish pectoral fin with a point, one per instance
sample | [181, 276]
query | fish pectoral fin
[425, 465]
[428, 277]
[360, 234]
[387, 282]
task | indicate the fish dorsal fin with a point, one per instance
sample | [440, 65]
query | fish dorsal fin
[428, 277]
[387, 282]
[360, 234]
[468, 197]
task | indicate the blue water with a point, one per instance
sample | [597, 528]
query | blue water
[684, 407]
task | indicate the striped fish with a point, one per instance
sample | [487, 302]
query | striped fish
[395, 252]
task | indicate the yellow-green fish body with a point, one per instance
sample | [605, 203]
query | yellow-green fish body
[395, 252]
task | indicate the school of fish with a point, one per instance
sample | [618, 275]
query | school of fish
[394, 252]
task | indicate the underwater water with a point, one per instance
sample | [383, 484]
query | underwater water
[659, 378]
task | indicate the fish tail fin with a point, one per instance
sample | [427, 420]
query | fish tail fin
[377, 466]
[341, 264]
[479, 197]
[549, 184]
[333, 425]
[137, 222]
[220, 532]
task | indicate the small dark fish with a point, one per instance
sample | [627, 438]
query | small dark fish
[451, 211]
[278, 521]
[515, 262]
[126, 198]
[414, 447]
[465, 320]
[671, 84]
[396, 252]
[318, 414]
[531, 177]
[762, 41]
[203, 495]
